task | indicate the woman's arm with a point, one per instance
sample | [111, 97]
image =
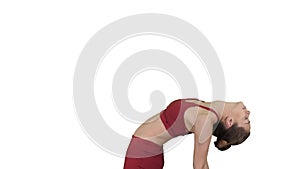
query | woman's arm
[202, 137]
[200, 155]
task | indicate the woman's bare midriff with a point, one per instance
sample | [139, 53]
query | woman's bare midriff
[154, 130]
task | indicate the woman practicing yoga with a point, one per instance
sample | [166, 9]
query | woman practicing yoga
[228, 121]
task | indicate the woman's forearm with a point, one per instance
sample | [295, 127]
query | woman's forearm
[204, 166]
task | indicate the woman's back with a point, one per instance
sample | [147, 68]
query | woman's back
[176, 119]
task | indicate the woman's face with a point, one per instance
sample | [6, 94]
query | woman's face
[240, 115]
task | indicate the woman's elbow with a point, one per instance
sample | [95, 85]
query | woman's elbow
[200, 166]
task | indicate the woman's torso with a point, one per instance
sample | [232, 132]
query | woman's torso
[154, 128]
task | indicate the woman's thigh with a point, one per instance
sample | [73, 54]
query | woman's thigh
[154, 162]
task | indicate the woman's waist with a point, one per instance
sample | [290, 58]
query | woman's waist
[142, 148]
[153, 131]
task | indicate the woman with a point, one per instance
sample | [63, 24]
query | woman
[228, 121]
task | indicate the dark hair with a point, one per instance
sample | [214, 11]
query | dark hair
[232, 136]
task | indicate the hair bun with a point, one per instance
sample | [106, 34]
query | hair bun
[222, 145]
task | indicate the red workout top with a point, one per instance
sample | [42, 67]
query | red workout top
[173, 116]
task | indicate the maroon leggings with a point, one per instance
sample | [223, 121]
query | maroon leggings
[143, 154]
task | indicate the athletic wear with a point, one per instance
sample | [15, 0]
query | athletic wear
[143, 154]
[173, 116]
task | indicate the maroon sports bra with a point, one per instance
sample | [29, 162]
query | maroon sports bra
[173, 116]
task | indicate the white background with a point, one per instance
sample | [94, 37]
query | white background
[257, 43]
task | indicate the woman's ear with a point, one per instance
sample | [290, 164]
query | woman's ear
[228, 122]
